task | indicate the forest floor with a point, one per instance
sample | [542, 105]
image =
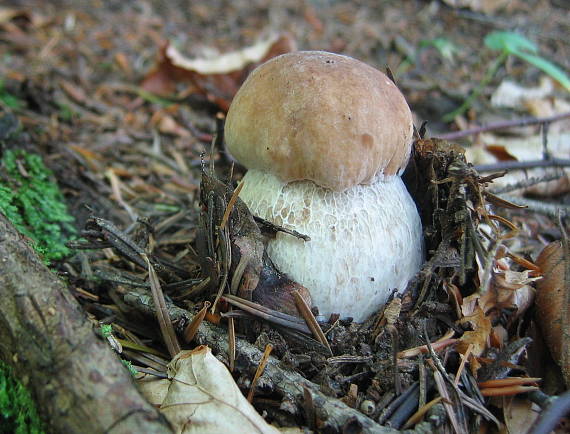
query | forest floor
[94, 91]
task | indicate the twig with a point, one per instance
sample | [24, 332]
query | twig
[164, 321]
[396, 403]
[259, 371]
[230, 205]
[418, 415]
[503, 126]
[49, 340]
[192, 328]
[521, 165]
[310, 320]
[268, 314]
[526, 183]
[405, 410]
[267, 225]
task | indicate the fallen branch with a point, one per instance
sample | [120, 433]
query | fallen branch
[522, 165]
[75, 378]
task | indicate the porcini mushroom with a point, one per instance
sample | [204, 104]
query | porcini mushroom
[325, 138]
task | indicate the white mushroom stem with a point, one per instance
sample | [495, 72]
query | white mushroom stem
[365, 241]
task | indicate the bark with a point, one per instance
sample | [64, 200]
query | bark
[77, 381]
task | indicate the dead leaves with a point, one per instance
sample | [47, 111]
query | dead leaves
[477, 338]
[217, 78]
[528, 143]
[552, 297]
[508, 291]
[200, 395]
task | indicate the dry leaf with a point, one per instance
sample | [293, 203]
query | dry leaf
[167, 125]
[519, 415]
[485, 6]
[493, 148]
[513, 95]
[479, 336]
[217, 77]
[507, 289]
[8, 14]
[201, 396]
[552, 304]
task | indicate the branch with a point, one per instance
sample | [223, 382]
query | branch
[76, 379]
[522, 165]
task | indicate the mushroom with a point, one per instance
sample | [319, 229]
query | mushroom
[325, 138]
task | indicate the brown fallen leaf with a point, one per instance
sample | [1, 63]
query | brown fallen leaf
[507, 289]
[486, 6]
[217, 78]
[200, 396]
[493, 148]
[519, 414]
[479, 336]
[552, 302]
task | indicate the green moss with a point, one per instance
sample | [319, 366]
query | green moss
[130, 367]
[106, 330]
[8, 99]
[18, 412]
[34, 204]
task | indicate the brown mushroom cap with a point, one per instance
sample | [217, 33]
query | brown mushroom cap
[313, 115]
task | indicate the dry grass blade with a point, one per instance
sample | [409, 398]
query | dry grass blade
[441, 343]
[524, 263]
[192, 328]
[231, 342]
[164, 322]
[447, 403]
[507, 391]
[464, 358]
[138, 347]
[194, 290]
[309, 408]
[500, 202]
[238, 274]
[311, 320]
[418, 415]
[509, 381]
[479, 408]
[116, 187]
[259, 371]
[226, 255]
[144, 360]
[504, 221]
[267, 314]
[230, 205]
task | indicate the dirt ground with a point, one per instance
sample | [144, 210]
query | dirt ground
[77, 75]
